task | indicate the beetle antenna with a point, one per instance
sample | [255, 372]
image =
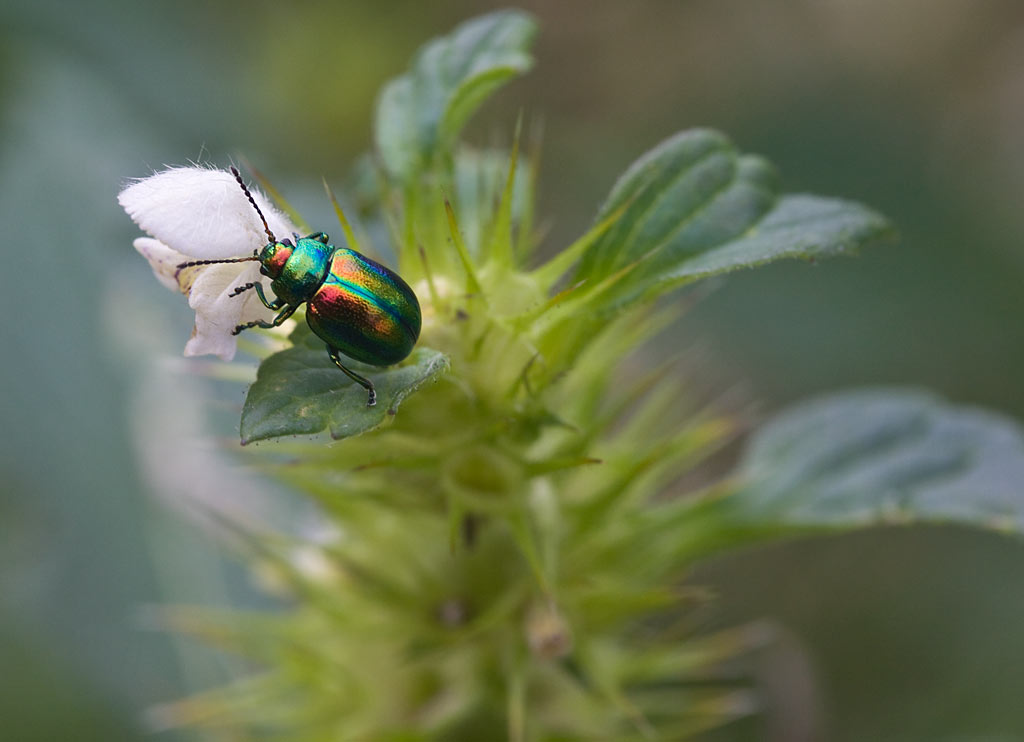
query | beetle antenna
[266, 227]
[189, 264]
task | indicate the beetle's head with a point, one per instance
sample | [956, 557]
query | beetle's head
[274, 256]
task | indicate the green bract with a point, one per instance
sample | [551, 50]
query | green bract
[514, 535]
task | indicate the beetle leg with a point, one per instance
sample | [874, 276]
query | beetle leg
[285, 314]
[275, 304]
[366, 384]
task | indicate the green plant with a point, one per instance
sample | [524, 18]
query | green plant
[512, 538]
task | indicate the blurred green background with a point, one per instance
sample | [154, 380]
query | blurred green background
[915, 107]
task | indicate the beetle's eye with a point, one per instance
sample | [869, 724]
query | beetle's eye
[264, 271]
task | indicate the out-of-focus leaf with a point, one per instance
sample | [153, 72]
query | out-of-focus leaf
[875, 457]
[300, 391]
[882, 455]
[695, 207]
[420, 114]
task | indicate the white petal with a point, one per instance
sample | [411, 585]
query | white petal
[163, 260]
[217, 313]
[201, 213]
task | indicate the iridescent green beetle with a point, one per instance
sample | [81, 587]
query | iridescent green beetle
[355, 305]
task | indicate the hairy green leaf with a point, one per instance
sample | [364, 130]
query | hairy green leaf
[694, 207]
[300, 391]
[875, 457]
[420, 114]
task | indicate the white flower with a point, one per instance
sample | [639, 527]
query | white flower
[196, 213]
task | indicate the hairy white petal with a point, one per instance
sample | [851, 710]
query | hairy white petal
[201, 213]
[218, 313]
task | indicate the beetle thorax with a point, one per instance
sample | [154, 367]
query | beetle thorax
[297, 270]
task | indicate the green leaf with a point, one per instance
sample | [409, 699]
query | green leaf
[876, 457]
[420, 114]
[694, 207]
[299, 391]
